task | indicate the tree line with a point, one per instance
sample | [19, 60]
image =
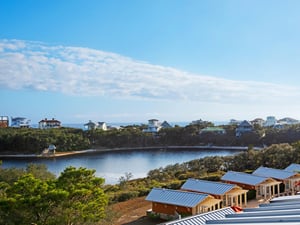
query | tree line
[34, 141]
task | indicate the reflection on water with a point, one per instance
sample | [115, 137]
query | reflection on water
[113, 165]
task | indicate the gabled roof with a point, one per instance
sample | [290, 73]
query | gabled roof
[268, 214]
[245, 123]
[49, 121]
[202, 218]
[165, 124]
[175, 197]
[210, 187]
[293, 168]
[243, 178]
[274, 173]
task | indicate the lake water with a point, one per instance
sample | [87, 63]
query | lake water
[113, 165]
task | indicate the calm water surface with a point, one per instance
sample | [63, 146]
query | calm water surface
[113, 165]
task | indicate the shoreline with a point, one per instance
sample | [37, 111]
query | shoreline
[98, 150]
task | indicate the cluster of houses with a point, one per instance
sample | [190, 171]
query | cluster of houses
[282, 210]
[155, 125]
[202, 196]
[22, 122]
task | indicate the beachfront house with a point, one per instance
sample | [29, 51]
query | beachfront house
[4, 121]
[270, 122]
[170, 204]
[265, 187]
[153, 126]
[230, 194]
[20, 122]
[243, 127]
[46, 124]
[258, 121]
[98, 125]
[290, 180]
[165, 124]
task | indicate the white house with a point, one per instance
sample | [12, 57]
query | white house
[98, 125]
[270, 122]
[20, 122]
[46, 124]
[153, 126]
[288, 121]
[243, 127]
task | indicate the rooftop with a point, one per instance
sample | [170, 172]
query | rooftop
[175, 197]
[211, 187]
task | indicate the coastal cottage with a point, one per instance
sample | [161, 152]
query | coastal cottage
[270, 122]
[153, 126]
[265, 187]
[230, 194]
[258, 121]
[290, 180]
[4, 121]
[243, 127]
[92, 125]
[20, 122]
[165, 124]
[46, 124]
[169, 203]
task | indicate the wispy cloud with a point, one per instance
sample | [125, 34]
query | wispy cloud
[84, 71]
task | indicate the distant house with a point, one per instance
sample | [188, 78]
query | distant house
[92, 125]
[290, 180]
[243, 127]
[270, 122]
[215, 130]
[165, 124]
[20, 122]
[258, 121]
[4, 121]
[46, 124]
[234, 122]
[288, 121]
[102, 126]
[265, 187]
[153, 126]
[49, 151]
[170, 203]
[230, 194]
[200, 122]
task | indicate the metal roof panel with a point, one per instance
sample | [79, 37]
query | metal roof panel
[243, 178]
[274, 173]
[175, 197]
[210, 187]
[202, 218]
[293, 168]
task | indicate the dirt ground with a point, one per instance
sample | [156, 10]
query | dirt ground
[133, 212]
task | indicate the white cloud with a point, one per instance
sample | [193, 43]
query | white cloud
[83, 71]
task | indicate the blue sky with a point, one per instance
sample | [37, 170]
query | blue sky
[133, 60]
